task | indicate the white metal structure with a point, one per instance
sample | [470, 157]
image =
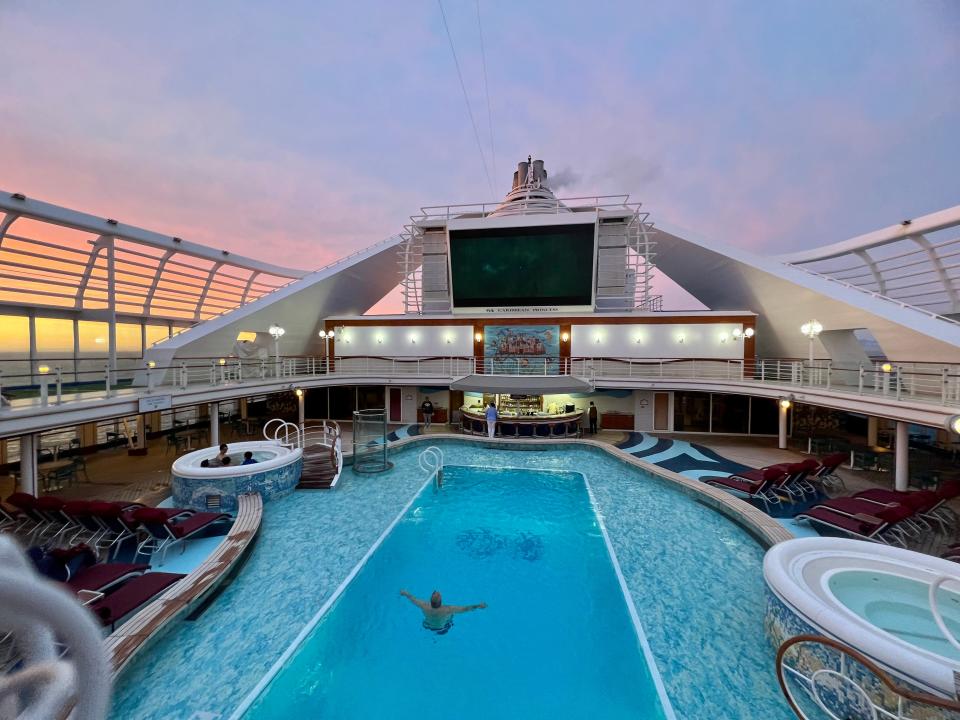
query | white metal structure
[916, 262]
[431, 462]
[625, 253]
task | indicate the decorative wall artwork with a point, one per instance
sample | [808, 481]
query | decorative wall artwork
[523, 349]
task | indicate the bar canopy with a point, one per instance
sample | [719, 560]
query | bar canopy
[522, 384]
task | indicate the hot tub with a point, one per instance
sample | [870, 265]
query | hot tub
[874, 598]
[275, 474]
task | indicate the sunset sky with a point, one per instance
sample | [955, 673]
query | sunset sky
[297, 132]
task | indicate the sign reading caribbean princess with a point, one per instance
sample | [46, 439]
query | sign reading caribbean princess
[523, 349]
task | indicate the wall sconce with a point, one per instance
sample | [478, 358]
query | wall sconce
[413, 341]
[953, 424]
[724, 337]
[478, 337]
[298, 392]
[737, 333]
[449, 339]
[564, 336]
[379, 339]
[680, 338]
[639, 339]
[748, 333]
[785, 404]
[151, 364]
[597, 340]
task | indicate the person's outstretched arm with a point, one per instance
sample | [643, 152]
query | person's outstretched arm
[466, 608]
[416, 601]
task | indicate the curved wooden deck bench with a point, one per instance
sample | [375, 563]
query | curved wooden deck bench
[179, 599]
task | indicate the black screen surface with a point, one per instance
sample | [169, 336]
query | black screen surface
[532, 266]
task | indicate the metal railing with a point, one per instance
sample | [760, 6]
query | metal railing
[914, 382]
[821, 677]
[431, 462]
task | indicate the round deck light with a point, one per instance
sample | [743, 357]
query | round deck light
[151, 364]
[953, 424]
[478, 337]
[886, 367]
[785, 404]
[298, 392]
[43, 369]
[811, 329]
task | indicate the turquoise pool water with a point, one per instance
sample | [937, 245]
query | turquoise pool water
[900, 606]
[556, 639]
[695, 578]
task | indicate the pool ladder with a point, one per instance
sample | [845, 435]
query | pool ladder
[431, 462]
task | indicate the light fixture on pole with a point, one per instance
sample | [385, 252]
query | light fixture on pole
[276, 332]
[811, 330]
[44, 390]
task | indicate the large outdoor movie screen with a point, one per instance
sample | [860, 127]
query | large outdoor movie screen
[523, 266]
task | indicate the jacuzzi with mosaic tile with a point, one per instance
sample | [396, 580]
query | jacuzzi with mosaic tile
[273, 474]
[692, 573]
[874, 599]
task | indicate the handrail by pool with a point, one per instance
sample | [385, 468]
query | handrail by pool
[809, 682]
[431, 462]
[935, 610]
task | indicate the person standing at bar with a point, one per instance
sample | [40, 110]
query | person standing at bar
[592, 414]
[491, 419]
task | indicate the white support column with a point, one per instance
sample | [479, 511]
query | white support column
[301, 398]
[112, 308]
[872, 426]
[782, 436]
[902, 450]
[28, 464]
[214, 410]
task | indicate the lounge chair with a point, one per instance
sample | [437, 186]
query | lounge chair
[164, 531]
[133, 594]
[762, 490]
[77, 567]
[826, 473]
[931, 505]
[861, 519]
[11, 518]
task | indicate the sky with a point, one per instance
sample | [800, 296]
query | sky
[298, 132]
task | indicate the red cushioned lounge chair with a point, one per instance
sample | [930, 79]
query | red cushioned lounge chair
[101, 577]
[131, 595]
[861, 519]
[762, 490]
[164, 531]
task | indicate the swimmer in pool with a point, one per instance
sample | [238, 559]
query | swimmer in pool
[438, 617]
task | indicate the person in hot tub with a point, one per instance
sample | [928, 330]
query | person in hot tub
[438, 617]
[248, 459]
[223, 453]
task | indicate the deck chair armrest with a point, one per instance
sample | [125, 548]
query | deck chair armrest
[88, 597]
[863, 517]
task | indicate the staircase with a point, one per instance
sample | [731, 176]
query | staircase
[319, 468]
[322, 456]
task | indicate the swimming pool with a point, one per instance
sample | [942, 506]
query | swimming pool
[556, 639]
[693, 574]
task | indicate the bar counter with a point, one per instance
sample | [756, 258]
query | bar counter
[540, 425]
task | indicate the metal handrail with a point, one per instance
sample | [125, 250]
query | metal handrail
[935, 610]
[431, 462]
[285, 429]
[810, 686]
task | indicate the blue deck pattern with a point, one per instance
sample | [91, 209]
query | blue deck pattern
[687, 459]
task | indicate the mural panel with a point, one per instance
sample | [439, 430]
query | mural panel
[523, 349]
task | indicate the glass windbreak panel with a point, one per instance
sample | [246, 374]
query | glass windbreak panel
[691, 412]
[129, 339]
[763, 416]
[14, 336]
[156, 333]
[94, 338]
[731, 413]
[370, 397]
[54, 337]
